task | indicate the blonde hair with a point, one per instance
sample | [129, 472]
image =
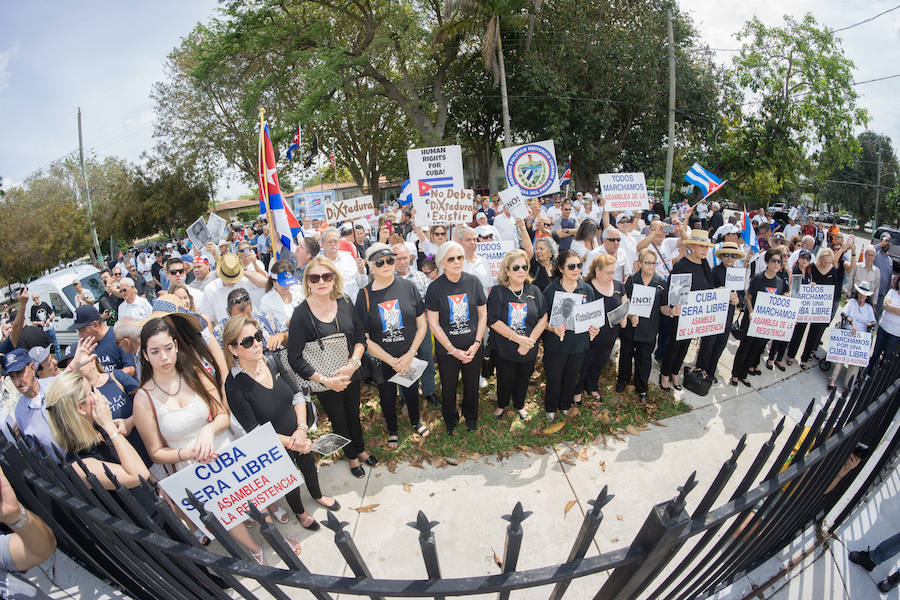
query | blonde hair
[71, 430]
[230, 334]
[321, 261]
[825, 254]
[508, 259]
[601, 261]
[647, 252]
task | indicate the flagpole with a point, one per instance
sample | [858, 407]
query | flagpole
[263, 181]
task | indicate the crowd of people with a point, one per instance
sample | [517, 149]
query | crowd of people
[188, 348]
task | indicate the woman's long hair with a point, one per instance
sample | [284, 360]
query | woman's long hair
[192, 350]
[71, 430]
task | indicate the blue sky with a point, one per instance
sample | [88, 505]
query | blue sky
[106, 56]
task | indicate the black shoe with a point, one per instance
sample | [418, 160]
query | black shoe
[471, 425]
[358, 472]
[620, 387]
[314, 526]
[862, 559]
[334, 506]
[433, 400]
[642, 397]
[889, 582]
[665, 389]
[451, 432]
[371, 461]
[715, 379]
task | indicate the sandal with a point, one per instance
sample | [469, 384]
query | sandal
[259, 558]
[596, 396]
[280, 515]
[769, 365]
[790, 362]
[392, 441]
[804, 366]
[423, 430]
[201, 537]
[523, 414]
[498, 414]
[779, 365]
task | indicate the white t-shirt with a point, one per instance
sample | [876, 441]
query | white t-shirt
[889, 321]
[702, 209]
[791, 230]
[630, 247]
[506, 227]
[272, 303]
[480, 269]
[665, 256]
[215, 297]
[353, 279]
[623, 267]
[139, 309]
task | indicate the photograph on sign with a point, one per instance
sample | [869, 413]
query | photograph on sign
[417, 367]
[216, 226]
[585, 316]
[704, 313]
[532, 167]
[848, 348]
[493, 253]
[642, 297]
[514, 202]
[329, 443]
[199, 234]
[816, 303]
[349, 209]
[562, 312]
[734, 278]
[451, 206]
[774, 317]
[312, 204]
[435, 168]
[796, 283]
[624, 191]
[679, 288]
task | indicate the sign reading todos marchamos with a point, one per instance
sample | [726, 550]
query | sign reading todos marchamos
[774, 317]
[624, 191]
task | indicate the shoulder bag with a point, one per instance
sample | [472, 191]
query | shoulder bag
[325, 354]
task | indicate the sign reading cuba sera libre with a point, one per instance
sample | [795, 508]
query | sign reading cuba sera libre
[624, 191]
[774, 317]
[349, 209]
[532, 167]
[450, 206]
[849, 349]
[254, 468]
[493, 253]
[816, 307]
[704, 313]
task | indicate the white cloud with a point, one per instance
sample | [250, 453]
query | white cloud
[5, 58]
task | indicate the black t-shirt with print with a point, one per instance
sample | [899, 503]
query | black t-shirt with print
[761, 283]
[390, 315]
[457, 307]
[520, 312]
[40, 312]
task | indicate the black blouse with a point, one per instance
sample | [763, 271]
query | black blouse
[254, 404]
[647, 327]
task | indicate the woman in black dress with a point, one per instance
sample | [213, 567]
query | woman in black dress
[823, 272]
[712, 346]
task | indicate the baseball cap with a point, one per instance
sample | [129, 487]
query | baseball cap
[285, 279]
[378, 250]
[39, 354]
[588, 197]
[16, 360]
[346, 227]
[201, 259]
[479, 215]
[85, 315]
[625, 215]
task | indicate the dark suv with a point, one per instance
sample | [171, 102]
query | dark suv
[894, 252]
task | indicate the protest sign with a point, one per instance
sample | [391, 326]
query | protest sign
[704, 313]
[616, 315]
[679, 288]
[450, 206]
[774, 317]
[642, 297]
[514, 202]
[849, 349]
[493, 253]
[349, 209]
[431, 169]
[734, 278]
[254, 468]
[313, 203]
[816, 303]
[624, 191]
[585, 316]
[532, 167]
[564, 305]
[199, 234]
[417, 367]
[329, 443]
[796, 283]
[216, 226]
[792, 214]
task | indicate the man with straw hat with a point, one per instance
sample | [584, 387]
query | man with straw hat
[230, 274]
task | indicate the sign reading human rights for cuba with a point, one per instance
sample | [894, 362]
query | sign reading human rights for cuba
[624, 191]
[255, 468]
[774, 317]
[349, 209]
[704, 313]
[430, 170]
[848, 348]
[493, 253]
[532, 167]
[816, 307]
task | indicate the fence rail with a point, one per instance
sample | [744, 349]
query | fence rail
[134, 540]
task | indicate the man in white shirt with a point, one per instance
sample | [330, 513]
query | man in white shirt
[352, 271]
[555, 211]
[505, 225]
[203, 275]
[792, 229]
[625, 223]
[666, 249]
[134, 306]
[230, 274]
[702, 210]
[612, 242]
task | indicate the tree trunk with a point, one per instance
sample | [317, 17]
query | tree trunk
[504, 100]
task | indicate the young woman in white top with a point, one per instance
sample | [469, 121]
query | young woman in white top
[887, 339]
[858, 316]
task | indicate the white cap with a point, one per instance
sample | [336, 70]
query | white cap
[588, 197]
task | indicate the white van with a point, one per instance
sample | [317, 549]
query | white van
[57, 290]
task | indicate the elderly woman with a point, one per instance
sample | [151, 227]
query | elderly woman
[801, 267]
[517, 313]
[393, 316]
[600, 277]
[457, 315]
[428, 245]
[283, 293]
[712, 346]
[857, 316]
[327, 317]
[541, 264]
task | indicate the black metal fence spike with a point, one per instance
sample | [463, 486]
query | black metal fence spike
[810, 407]
[256, 514]
[603, 498]
[110, 475]
[193, 501]
[518, 515]
[334, 524]
[676, 505]
[778, 428]
[422, 524]
[741, 445]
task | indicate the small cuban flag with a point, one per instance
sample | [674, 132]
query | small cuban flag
[295, 143]
[748, 234]
[703, 179]
[405, 196]
[566, 176]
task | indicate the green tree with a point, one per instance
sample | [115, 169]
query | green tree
[167, 197]
[857, 195]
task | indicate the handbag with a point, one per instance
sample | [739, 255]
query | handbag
[695, 381]
[279, 364]
[325, 354]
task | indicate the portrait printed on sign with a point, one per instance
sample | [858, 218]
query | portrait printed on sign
[562, 312]
[679, 288]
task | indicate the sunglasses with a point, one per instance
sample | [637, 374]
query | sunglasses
[239, 300]
[117, 274]
[382, 261]
[440, 233]
[517, 268]
[316, 277]
[776, 260]
[247, 342]
[458, 257]
[176, 272]
[614, 240]
[573, 266]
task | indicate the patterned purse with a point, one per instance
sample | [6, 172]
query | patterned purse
[325, 354]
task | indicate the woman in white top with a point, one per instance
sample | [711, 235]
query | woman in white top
[857, 316]
[887, 339]
[283, 293]
[586, 240]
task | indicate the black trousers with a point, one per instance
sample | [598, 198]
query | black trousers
[342, 409]
[638, 353]
[562, 371]
[813, 337]
[451, 370]
[666, 325]
[749, 349]
[674, 358]
[794, 344]
[307, 465]
[594, 362]
[512, 381]
[387, 395]
[711, 348]
[778, 350]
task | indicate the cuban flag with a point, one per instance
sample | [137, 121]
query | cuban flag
[703, 179]
[295, 143]
[566, 176]
[405, 196]
[748, 234]
[281, 217]
[426, 185]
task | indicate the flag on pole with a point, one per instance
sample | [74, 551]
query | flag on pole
[295, 143]
[331, 157]
[748, 234]
[703, 179]
[280, 216]
[405, 196]
[312, 154]
[566, 176]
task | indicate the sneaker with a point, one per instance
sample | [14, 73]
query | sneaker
[482, 382]
[862, 559]
[889, 582]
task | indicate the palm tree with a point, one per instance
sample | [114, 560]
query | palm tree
[486, 18]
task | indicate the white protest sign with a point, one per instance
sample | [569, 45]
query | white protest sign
[774, 317]
[450, 206]
[624, 191]
[704, 313]
[591, 314]
[514, 202]
[816, 303]
[792, 214]
[562, 311]
[199, 234]
[349, 209]
[435, 168]
[493, 253]
[254, 468]
[849, 349]
[532, 167]
[216, 226]
[734, 278]
[642, 297]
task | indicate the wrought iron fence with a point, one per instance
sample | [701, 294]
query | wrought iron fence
[143, 547]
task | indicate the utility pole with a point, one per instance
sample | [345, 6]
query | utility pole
[87, 193]
[670, 152]
[877, 193]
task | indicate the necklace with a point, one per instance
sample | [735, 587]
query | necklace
[166, 392]
[518, 294]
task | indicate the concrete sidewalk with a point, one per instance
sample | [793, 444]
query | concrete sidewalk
[469, 499]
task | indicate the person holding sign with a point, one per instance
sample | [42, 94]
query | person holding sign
[858, 315]
[564, 350]
[517, 313]
[887, 339]
[639, 333]
[751, 348]
[600, 277]
[393, 315]
[456, 309]
[800, 269]
[712, 346]
[823, 272]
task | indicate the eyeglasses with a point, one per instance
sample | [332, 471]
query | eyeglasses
[648, 262]
[428, 272]
[117, 273]
[441, 233]
[176, 272]
[247, 342]
[458, 257]
[382, 261]
[614, 240]
[239, 300]
[573, 266]
[316, 277]
[517, 268]
[776, 260]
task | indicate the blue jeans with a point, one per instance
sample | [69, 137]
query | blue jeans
[51, 334]
[426, 353]
[886, 549]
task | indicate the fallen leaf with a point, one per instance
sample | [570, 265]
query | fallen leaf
[524, 449]
[603, 465]
[619, 517]
[538, 450]
[407, 487]
[475, 456]
[600, 439]
[554, 427]
[605, 418]
[613, 540]
[392, 466]
[583, 455]
[368, 508]
[416, 463]
[659, 424]
[569, 505]
[632, 430]
[378, 474]
[439, 462]
[451, 461]
[573, 412]
[497, 558]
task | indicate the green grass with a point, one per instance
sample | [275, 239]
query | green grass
[614, 416]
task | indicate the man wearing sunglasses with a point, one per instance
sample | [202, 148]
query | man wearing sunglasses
[274, 334]
[612, 245]
[177, 271]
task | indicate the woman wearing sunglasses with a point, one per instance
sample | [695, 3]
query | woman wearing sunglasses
[456, 309]
[327, 313]
[712, 346]
[517, 313]
[393, 315]
[564, 349]
[259, 392]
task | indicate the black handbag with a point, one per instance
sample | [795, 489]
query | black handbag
[695, 381]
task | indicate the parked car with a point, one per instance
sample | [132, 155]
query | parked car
[778, 206]
[57, 289]
[894, 251]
